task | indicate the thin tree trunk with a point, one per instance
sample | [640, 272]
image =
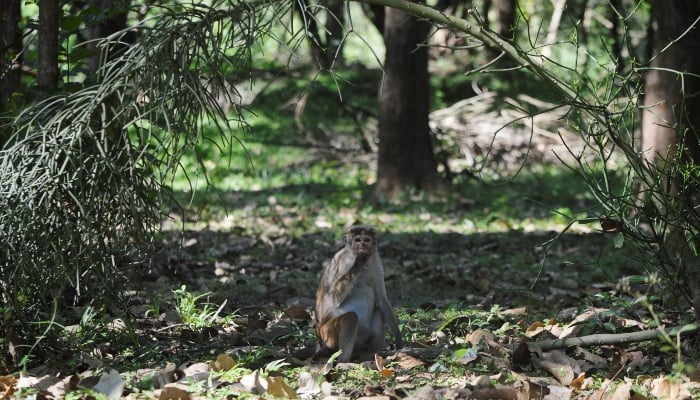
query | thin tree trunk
[117, 11]
[554, 22]
[335, 19]
[47, 77]
[405, 159]
[11, 45]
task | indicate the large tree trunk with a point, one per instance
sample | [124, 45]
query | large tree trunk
[47, 75]
[670, 124]
[671, 114]
[405, 152]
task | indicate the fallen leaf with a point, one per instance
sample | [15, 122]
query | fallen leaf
[110, 384]
[167, 375]
[173, 393]
[378, 362]
[526, 390]
[622, 392]
[253, 383]
[578, 383]
[405, 361]
[297, 312]
[223, 362]
[307, 385]
[558, 364]
[478, 335]
[534, 329]
[7, 386]
[276, 386]
[465, 356]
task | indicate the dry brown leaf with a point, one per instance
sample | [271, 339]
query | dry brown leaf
[196, 369]
[664, 388]
[622, 392]
[110, 384]
[478, 335]
[173, 393]
[405, 361]
[56, 387]
[276, 386]
[168, 374]
[223, 362]
[307, 385]
[579, 322]
[253, 383]
[526, 390]
[560, 365]
[558, 393]
[521, 354]
[378, 362]
[297, 312]
[7, 386]
[534, 329]
[579, 382]
[515, 312]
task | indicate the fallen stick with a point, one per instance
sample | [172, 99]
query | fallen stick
[613, 338]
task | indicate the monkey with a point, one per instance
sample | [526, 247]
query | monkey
[351, 302]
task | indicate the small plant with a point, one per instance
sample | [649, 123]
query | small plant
[194, 317]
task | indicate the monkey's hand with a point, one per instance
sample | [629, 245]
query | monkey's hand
[360, 261]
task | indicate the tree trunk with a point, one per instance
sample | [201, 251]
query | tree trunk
[11, 45]
[47, 78]
[335, 19]
[405, 151]
[504, 22]
[115, 22]
[670, 124]
[671, 115]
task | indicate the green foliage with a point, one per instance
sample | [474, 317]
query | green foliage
[187, 305]
[84, 172]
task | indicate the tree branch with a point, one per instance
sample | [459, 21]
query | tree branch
[614, 338]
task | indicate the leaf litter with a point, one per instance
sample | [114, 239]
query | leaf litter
[475, 306]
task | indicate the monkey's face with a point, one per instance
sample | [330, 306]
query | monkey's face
[362, 244]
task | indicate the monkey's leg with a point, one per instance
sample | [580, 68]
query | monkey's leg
[348, 335]
[376, 339]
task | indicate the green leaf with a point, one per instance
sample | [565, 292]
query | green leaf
[619, 241]
[464, 356]
[71, 23]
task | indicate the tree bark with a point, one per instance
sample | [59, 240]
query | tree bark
[47, 78]
[11, 45]
[671, 120]
[504, 22]
[671, 115]
[602, 339]
[114, 21]
[405, 159]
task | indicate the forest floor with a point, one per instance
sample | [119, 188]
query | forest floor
[478, 275]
